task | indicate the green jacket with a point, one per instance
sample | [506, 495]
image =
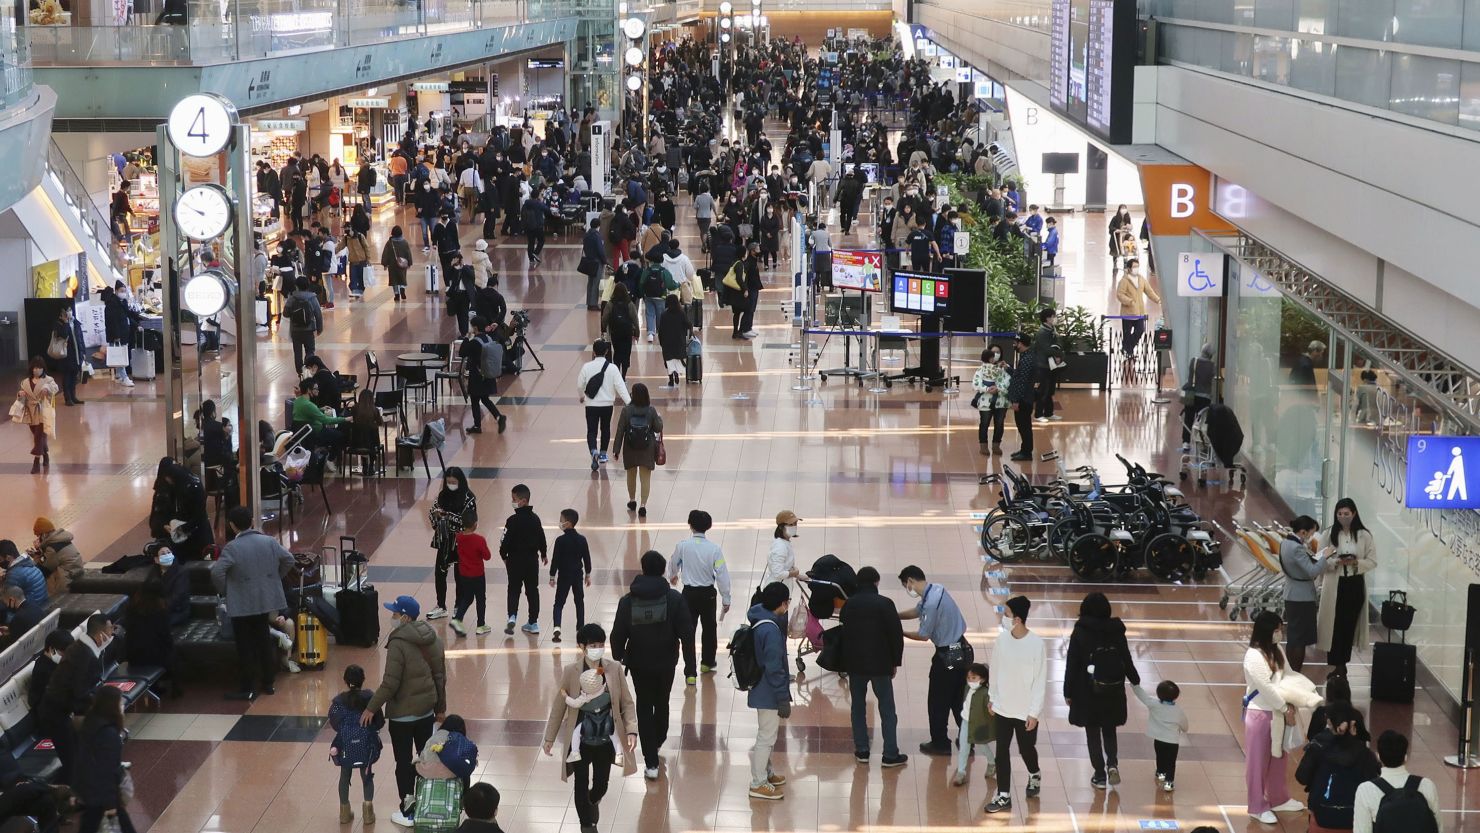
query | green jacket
[414, 682]
[306, 412]
[978, 718]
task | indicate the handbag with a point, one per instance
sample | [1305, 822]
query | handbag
[731, 281]
[830, 658]
[1397, 614]
[117, 355]
[747, 231]
[57, 347]
[17, 411]
[1188, 395]
[660, 454]
[976, 401]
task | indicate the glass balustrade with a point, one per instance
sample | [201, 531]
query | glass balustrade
[15, 58]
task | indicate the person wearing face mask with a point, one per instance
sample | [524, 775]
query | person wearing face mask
[37, 398]
[850, 194]
[887, 215]
[943, 626]
[249, 574]
[413, 693]
[174, 583]
[593, 722]
[69, 691]
[1341, 620]
[991, 382]
[873, 650]
[781, 561]
[770, 235]
[771, 696]
[651, 632]
[455, 504]
[524, 551]
[1132, 291]
[20, 615]
[1301, 571]
[1264, 772]
[1017, 684]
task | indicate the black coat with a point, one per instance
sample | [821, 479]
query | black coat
[71, 685]
[1091, 704]
[149, 639]
[673, 334]
[873, 638]
[99, 766]
[524, 535]
[652, 647]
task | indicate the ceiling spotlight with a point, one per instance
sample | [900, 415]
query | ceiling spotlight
[633, 56]
[634, 82]
[725, 7]
[724, 23]
[724, 37]
[633, 27]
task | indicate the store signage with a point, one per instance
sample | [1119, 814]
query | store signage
[1179, 198]
[431, 86]
[1200, 275]
[600, 156]
[983, 88]
[370, 103]
[284, 125]
[1436, 473]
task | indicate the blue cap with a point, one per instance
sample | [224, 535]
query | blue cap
[404, 605]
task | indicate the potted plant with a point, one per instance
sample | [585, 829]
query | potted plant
[1079, 333]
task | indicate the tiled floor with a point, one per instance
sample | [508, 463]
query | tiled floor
[885, 479]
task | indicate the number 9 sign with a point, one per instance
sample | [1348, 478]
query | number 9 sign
[200, 125]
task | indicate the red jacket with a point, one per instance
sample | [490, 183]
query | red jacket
[472, 551]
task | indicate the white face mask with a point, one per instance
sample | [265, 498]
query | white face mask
[913, 594]
[973, 685]
[453, 486]
[791, 531]
[595, 654]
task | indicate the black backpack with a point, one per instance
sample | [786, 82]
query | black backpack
[649, 611]
[597, 724]
[621, 324]
[639, 430]
[1403, 809]
[1333, 795]
[1108, 670]
[300, 313]
[652, 283]
[745, 666]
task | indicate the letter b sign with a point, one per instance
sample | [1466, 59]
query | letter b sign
[1183, 200]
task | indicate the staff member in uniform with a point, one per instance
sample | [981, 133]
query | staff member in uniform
[942, 625]
[701, 566]
[1300, 571]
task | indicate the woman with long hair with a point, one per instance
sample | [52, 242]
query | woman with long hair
[1264, 772]
[673, 338]
[37, 398]
[1096, 669]
[619, 322]
[1341, 620]
[98, 777]
[639, 430]
[455, 503]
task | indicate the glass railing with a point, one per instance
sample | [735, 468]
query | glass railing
[77, 201]
[218, 31]
[15, 59]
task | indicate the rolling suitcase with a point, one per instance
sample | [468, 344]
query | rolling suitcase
[693, 365]
[140, 360]
[1394, 668]
[310, 637]
[696, 314]
[431, 279]
[358, 601]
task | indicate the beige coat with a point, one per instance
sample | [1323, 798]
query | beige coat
[562, 721]
[38, 396]
[1132, 293]
[1326, 610]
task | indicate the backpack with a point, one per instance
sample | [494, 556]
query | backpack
[621, 323]
[532, 216]
[490, 357]
[649, 611]
[356, 745]
[1333, 796]
[1403, 809]
[459, 755]
[597, 724]
[745, 665]
[639, 430]
[300, 313]
[653, 282]
[1106, 668]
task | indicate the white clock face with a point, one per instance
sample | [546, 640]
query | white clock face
[200, 125]
[207, 293]
[203, 212]
[633, 27]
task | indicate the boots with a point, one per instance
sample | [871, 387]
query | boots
[36, 465]
[367, 813]
[46, 460]
[346, 815]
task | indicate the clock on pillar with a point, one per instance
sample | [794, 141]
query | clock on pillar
[207, 250]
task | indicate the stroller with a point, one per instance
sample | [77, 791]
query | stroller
[825, 590]
[1216, 440]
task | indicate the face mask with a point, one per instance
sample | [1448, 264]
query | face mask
[452, 486]
[973, 685]
[791, 531]
[595, 654]
[166, 559]
[912, 593]
[514, 503]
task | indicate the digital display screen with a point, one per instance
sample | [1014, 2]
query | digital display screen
[1092, 58]
[920, 294]
[1079, 59]
[1058, 59]
[1101, 62]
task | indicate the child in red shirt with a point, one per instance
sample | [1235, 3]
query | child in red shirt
[472, 585]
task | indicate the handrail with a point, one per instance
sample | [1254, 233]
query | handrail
[92, 219]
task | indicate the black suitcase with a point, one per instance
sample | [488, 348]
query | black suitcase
[1394, 668]
[358, 601]
[696, 314]
[694, 369]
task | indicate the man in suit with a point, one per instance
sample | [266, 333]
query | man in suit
[70, 689]
[20, 616]
[250, 575]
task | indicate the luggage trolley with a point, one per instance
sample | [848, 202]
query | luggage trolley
[1262, 587]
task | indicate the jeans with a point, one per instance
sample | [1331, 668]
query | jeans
[357, 278]
[255, 652]
[592, 774]
[471, 590]
[888, 718]
[367, 780]
[651, 688]
[947, 686]
[1005, 728]
[303, 346]
[1104, 748]
[577, 591]
[524, 574]
[651, 309]
[1166, 758]
[964, 747]
[702, 602]
[768, 724]
[598, 417]
[1264, 775]
[1022, 417]
[407, 739]
[992, 419]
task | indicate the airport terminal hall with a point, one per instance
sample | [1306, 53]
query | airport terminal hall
[737, 416]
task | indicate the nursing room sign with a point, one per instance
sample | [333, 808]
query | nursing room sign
[1437, 473]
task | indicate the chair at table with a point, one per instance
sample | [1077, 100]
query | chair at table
[313, 475]
[215, 484]
[278, 492]
[373, 373]
[392, 403]
[349, 388]
[366, 446]
[428, 441]
[452, 374]
[411, 377]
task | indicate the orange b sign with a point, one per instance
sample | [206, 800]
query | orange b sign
[1179, 198]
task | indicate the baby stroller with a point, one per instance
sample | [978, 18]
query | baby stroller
[1216, 440]
[824, 591]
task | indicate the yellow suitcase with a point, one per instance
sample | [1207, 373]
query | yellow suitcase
[311, 641]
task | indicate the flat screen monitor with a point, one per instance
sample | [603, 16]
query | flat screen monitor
[860, 271]
[1061, 163]
[869, 170]
[918, 293]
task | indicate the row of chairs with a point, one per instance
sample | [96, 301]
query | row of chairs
[425, 378]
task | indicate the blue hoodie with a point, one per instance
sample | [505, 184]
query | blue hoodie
[770, 650]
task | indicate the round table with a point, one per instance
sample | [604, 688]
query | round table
[418, 358]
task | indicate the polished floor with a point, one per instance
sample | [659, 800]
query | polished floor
[884, 479]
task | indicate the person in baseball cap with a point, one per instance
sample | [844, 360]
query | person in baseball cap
[781, 562]
[404, 606]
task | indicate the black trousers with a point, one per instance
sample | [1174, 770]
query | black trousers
[1027, 741]
[303, 347]
[1022, 417]
[481, 401]
[993, 419]
[524, 574]
[407, 739]
[256, 653]
[702, 603]
[947, 685]
[1104, 747]
[592, 773]
[1166, 758]
[534, 242]
[445, 559]
[651, 688]
[747, 321]
[471, 591]
[577, 591]
[1131, 331]
[846, 216]
[599, 417]
[63, 738]
[622, 354]
[1043, 395]
[92, 819]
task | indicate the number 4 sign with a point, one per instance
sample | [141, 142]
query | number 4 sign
[200, 125]
[1200, 275]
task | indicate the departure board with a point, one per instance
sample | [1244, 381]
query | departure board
[1058, 59]
[1100, 68]
[1092, 59]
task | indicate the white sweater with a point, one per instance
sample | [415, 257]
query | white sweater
[1019, 675]
[1369, 796]
[613, 387]
[1262, 682]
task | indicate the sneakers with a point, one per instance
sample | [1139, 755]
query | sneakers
[959, 779]
[293, 667]
[1291, 806]
[1098, 782]
[531, 628]
[1056, 418]
[503, 422]
[1113, 773]
[283, 640]
[1268, 817]
[509, 627]
[651, 773]
[399, 818]
[1161, 777]
[458, 626]
[650, 338]
[776, 780]
[991, 770]
[555, 636]
[1040, 419]
[897, 760]
[931, 748]
[767, 792]
[437, 613]
[594, 462]
[126, 382]
[602, 458]
[475, 430]
[1022, 457]
[483, 629]
[1167, 787]
[706, 669]
[1035, 785]
[861, 757]
[690, 680]
[999, 803]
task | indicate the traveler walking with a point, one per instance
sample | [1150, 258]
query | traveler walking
[355, 747]
[781, 561]
[639, 434]
[771, 694]
[413, 692]
[977, 727]
[619, 323]
[37, 397]
[1264, 772]
[873, 650]
[1018, 681]
[942, 625]
[1394, 801]
[1342, 617]
[1096, 669]
[570, 569]
[250, 575]
[523, 550]
[305, 321]
[1166, 723]
[98, 782]
[395, 256]
[600, 387]
[484, 358]
[674, 332]
[700, 564]
[652, 628]
[1132, 291]
[455, 505]
[593, 724]
[1301, 570]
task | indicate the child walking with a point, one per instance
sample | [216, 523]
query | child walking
[976, 723]
[472, 584]
[1165, 724]
[355, 746]
[570, 568]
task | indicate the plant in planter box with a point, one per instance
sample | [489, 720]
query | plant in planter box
[1005, 313]
[1078, 329]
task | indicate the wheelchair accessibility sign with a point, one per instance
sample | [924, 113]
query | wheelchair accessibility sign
[1200, 275]
[1436, 473]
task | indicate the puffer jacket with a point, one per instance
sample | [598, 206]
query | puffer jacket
[1091, 703]
[59, 556]
[655, 646]
[414, 682]
[24, 573]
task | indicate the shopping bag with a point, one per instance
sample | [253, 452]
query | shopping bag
[57, 347]
[17, 411]
[117, 355]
